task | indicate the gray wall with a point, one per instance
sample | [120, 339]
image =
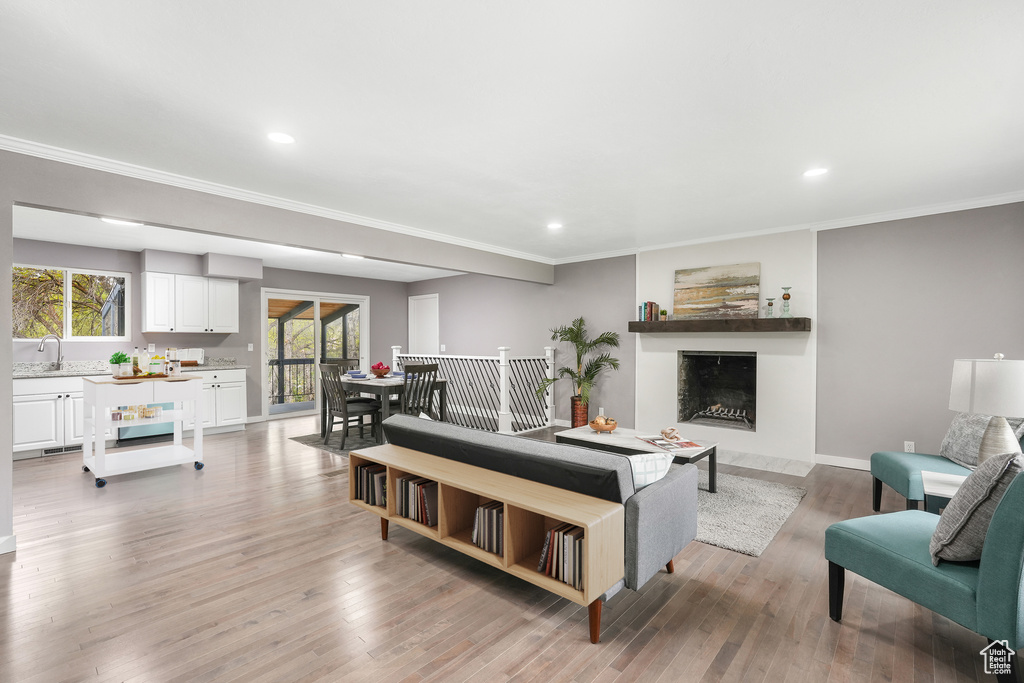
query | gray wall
[897, 303]
[478, 314]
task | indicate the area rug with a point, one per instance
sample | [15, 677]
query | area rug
[352, 443]
[745, 514]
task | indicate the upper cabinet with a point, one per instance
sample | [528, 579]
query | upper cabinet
[188, 303]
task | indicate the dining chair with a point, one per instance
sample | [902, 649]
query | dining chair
[418, 389]
[341, 408]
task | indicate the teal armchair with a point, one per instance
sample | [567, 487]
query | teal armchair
[902, 472]
[892, 551]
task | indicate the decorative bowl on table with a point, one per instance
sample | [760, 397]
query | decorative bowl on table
[380, 372]
[603, 424]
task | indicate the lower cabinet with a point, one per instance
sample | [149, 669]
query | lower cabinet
[38, 422]
[48, 420]
[224, 401]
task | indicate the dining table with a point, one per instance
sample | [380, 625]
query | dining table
[384, 388]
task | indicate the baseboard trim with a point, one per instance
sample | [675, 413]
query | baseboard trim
[8, 544]
[839, 461]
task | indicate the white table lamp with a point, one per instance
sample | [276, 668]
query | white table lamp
[990, 387]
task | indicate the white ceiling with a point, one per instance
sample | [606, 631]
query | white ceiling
[634, 124]
[68, 228]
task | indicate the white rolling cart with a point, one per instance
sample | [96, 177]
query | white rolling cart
[103, 395]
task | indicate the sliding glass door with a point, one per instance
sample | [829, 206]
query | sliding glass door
[302, 330]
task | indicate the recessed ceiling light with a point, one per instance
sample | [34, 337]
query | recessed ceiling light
[815, 172]
[352, 256]
[117, 221]
[282, 138]
[554, 226]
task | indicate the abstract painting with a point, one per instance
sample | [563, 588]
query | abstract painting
[717, 292]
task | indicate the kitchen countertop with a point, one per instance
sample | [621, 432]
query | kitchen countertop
[86, 368]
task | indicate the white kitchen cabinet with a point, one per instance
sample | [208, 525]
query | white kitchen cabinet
[38, 421]
[189, 303]
[49, 420]
[223, 305]
[158, 302]
[74, 423]
[224, 400]
[231, 404]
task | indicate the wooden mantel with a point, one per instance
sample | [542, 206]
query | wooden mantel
[723, 325]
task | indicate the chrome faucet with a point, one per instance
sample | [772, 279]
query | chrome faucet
[60, 354]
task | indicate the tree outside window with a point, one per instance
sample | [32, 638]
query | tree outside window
[68, 303]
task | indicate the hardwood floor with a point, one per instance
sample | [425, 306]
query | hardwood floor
[257, 569]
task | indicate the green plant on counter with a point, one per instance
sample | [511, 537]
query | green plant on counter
[119, 357]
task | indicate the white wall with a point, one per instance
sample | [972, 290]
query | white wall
[785, 361]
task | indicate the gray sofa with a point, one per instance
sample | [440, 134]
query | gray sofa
[660, 519]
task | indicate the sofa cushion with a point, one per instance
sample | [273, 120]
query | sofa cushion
[960, 533]
[583, 470]
[963, 438]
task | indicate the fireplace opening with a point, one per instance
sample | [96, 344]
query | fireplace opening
[718, 388]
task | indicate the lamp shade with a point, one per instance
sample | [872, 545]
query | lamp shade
[989, 387]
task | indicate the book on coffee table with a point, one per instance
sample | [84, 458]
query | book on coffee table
[670, 446]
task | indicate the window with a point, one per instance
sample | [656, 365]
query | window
[70, 303]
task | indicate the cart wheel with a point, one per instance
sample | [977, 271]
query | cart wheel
[100, 483]
[85, 468]
[198, 465]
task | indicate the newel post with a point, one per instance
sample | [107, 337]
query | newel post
[395, 352]
[549, 361]
[505, 391]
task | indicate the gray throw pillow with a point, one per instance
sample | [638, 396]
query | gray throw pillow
[963, 440]
[960, 533]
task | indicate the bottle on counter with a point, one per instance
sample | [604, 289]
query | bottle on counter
[144, 361]
[135, 361]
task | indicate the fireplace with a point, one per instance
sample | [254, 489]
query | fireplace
[718, 388]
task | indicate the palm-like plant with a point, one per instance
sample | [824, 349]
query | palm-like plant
[584, 374]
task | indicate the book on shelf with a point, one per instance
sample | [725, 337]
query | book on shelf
[488, 527]
[561, 556]
[430, 504]
[668, 444]
[371, 484]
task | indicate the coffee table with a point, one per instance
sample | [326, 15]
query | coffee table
[624, 442]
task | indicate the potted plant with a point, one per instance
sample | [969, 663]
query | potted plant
[115, 363]
[584, 373]
[663, 314]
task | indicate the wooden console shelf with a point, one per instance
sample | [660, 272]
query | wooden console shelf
[725, 325]
[530, 510]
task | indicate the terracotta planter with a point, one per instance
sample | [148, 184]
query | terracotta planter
[580, 415]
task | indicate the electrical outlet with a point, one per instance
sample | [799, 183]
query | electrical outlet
[250, 347]
[442, 348]
[152, 348]
[908, 447]
[600, 410]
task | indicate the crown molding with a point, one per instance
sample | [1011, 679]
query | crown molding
[917, 212]
[853, 221]
[97, 163]
[72, 157]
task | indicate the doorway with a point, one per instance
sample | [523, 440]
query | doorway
[303, 329]
[424, 328]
